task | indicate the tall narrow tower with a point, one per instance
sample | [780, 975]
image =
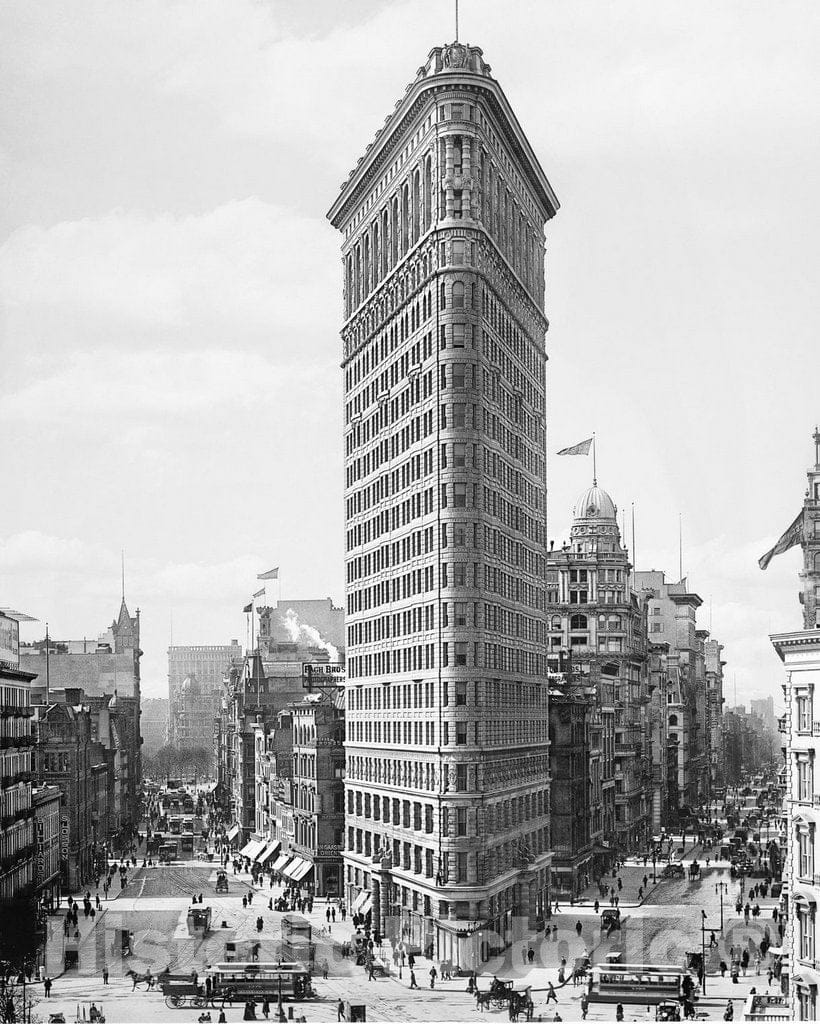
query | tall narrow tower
[447, 787]
[810, 576]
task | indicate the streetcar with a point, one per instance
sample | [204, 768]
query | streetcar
[251, 980]
[168, 852]
[635, 983]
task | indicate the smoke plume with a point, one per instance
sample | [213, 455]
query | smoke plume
[302, 633]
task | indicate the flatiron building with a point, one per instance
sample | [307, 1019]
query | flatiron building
[447, 838]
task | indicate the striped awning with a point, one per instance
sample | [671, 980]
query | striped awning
[281, 861]
[358, 903]
[303, 868]
[233, 832]
[252, 848]
[290, 869]
[269, 851]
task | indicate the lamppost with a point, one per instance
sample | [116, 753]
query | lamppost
[703, 949]
[722, 887]
[654, 865]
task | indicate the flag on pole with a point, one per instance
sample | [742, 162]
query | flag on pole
[271, 574]
[248, 607]
[792, 536]
[259, 593]
[582, 448]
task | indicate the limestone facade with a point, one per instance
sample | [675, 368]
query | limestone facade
[447, 787]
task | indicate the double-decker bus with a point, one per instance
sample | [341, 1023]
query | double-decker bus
[635, 983]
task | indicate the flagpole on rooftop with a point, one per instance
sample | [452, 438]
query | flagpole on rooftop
[594, 462]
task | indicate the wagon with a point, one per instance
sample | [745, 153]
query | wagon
[179, 990]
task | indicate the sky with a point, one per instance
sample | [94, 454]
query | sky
[170, 291]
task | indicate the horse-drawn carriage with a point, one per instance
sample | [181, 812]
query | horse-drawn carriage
[221, 881]
[179, 990]
[503, 993]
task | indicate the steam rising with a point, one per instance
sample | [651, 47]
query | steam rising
[300, 632]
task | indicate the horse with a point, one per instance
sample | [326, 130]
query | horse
[482, 1000]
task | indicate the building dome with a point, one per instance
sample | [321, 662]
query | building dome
[595, 503]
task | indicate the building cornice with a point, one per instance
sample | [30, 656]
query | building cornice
[431, 78]
[802, 638]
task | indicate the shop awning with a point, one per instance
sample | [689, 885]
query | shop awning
[367, 906]
[281, 861]
[252, 848]
[233, 832]
[359, 902]
[302, 870]
[290, 869]
[268, 852]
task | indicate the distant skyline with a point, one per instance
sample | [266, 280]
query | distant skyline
[170, 292]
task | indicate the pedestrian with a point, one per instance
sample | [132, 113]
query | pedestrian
[729, 1012]
[105, 975]
[619, 1012]
[433, 976]
[556, 909]
[645, 880]
[265, 1008]
[244, 902]
[340, 1011]
[640, 892]
[530, 955]
[596, 906]
[327, 915]
[620, 885]
[47, 987]
[551, 993]
[578, 928]
[584, 1006]
[333, 914]
[723, 968]
[324, 969]
[221, 1018]
[413, 983]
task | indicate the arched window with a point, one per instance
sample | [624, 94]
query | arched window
[458, 295]
[443, 298]
[615, 622]
[673, 720]
[384, 247]
[578, 622]
[358, 281]
[365, 265]
[428, 192]
[394, 233]
[416, 206]
[405, 219]
[555, 622]
[376, 255]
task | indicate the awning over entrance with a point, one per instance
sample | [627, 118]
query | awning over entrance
[270, 850]
[302, 869]
[233, 832]
[252, 849]
[360, 901]
[367, 906]
[292, 869]
[281, 861]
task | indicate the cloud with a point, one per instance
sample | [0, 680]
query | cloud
[246, 273]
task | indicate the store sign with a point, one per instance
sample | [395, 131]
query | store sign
[9, 642]
[64, 832]
[327, 672]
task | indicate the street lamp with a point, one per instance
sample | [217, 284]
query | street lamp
[722, 887]
[703, 949]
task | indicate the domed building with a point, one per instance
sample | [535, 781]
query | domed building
[600, 763]
[193, 707]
